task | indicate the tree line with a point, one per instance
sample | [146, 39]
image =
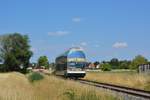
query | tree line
[122, 64]
[15, 54]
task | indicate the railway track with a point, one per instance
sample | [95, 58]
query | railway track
[120, 89]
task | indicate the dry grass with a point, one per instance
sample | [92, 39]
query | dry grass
[16, 86]
[129, 79]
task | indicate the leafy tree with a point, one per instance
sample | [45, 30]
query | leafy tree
[15, 52]
[105, 67]
[137, 61]
[43, 61]
[114, 63]
[124, 64]
[1, 67]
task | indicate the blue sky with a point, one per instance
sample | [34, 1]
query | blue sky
[104, 28]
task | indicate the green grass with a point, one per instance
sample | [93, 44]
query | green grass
[35, 76]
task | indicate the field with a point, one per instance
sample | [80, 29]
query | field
[16, 86]
[128, 79]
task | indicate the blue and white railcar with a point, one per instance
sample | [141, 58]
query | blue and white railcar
[72, 63]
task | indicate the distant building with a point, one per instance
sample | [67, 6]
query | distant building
[91, 66]
[144, 68]
[98, 66]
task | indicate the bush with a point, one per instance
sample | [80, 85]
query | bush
[2, 69]
[35, 76]
[124, 65]
[137, 61]
[105, 67]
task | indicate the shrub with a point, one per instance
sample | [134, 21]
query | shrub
[137, 61]
[106, 67]
[35, 76]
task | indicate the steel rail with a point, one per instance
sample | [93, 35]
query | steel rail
[122, 89]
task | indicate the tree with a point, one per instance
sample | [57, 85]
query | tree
[124, 64]
[105, 67]
[114, 63]
[15, 52]
[137, 61]
[43, 61]
[0, 60]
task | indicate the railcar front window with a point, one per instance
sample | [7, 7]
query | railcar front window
[72, 64]
[77, 65]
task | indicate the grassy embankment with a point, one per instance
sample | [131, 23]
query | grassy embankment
[128, 79]
[16, 86]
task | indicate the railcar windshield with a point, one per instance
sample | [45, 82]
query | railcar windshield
[77, 64]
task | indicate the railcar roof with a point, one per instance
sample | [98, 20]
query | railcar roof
[71, 49]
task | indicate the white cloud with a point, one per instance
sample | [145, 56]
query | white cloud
[83, 44]
[120, 45]
[76, 19]
[58, 33]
